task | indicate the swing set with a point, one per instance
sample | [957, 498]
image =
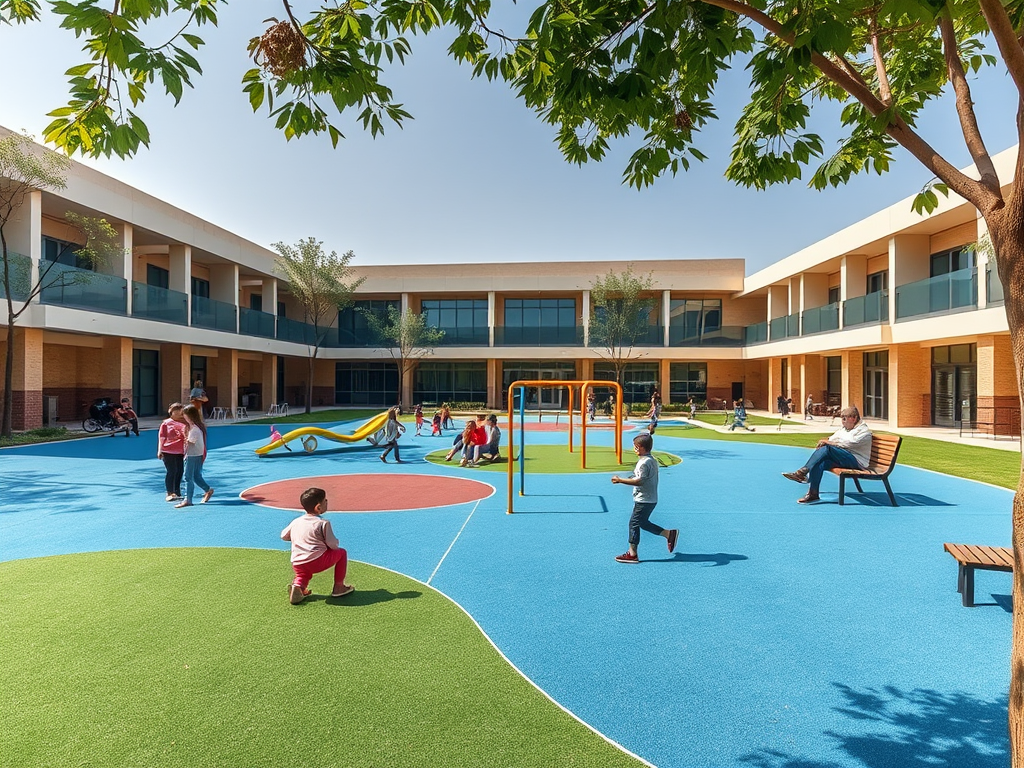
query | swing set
[585, 387]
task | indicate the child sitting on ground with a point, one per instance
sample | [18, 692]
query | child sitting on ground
[490, 451]
[315, 548]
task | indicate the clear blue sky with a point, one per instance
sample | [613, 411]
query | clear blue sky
[476, 177]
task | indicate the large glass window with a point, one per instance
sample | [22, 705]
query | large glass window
[692, 318]
[436, 383]
[456, 313]
[64, 252]
[537, 370]
[876, 385]
[954, 384]
[638, 380]
[352, 326]
[877, 281]
[952, 260]
[834, 380]
[157, 276]
[540, 313]
[365, 383]
[688, 380]
[200, 287]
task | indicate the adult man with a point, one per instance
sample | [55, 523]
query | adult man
[849, 447]
[198, 396]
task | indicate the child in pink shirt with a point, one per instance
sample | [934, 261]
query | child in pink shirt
[315, 548]
[170, 448]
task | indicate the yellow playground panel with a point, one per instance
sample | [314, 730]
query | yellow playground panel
[311, 433]
[585, 386]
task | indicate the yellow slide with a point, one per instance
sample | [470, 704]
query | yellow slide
[361, 433]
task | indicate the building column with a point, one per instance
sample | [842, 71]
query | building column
[811, 380]
[175, 373]
[665, 380]
[494, 382]
[24, 232]
[122, 266]
[269, 294]
[180, 277]
[116, 367]
[910, 385]
[27, 378]
[405, 303]
[268, 376]
[998, 398]
[224, 287]
[226, 378]
[585, 319]
[853, 379]
[491, 322]
[982, 255]
[908, 263]
[666, 316]
[775, 384]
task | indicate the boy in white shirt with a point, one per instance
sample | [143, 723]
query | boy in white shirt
[645, 499]
[849, 447]
[315, 548]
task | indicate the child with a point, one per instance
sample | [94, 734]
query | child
[195, 456]
[125, 415]
[393, 429]
[315, 548]
[419, 420]
[491, 450]
[472, 449]
[591, 405]
[170, 448]
[275, 436]
[645, 499]
[435, 424]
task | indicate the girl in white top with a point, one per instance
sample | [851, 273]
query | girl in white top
[195, 455]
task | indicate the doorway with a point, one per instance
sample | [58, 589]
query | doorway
[876, 385]
[737, 391]
[146, 381]
[954, 384]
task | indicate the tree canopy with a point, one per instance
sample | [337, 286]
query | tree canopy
[405, 335]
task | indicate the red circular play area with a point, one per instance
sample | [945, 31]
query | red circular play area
[371, 493]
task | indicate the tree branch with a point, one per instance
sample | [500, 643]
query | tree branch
[1001, 28]
[965, 105]
[969, 189]
[884, 89]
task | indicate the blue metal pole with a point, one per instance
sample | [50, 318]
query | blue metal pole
[522, 441]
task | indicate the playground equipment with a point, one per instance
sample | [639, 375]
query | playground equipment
[309, 435]
[585, 386]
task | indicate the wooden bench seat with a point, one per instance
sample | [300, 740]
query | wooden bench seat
[884, 450]
[971, 557]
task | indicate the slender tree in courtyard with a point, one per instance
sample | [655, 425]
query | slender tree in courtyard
[620, 315]
[322, 283]
[602, 70]
[406, 336]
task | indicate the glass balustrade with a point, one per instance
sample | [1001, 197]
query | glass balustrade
[83, 289]
[652, 336]
[217, 315]
[305, 333]
[755, 334]
[993, 286]
[19, 276]
[253, 322]
[726, 336]
[778, 328]
[944, 293]
[538, 336]
[465, 337]
[362, 337]
[161, 304]
[821, 319]
[872, 308]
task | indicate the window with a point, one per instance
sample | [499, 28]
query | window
[952, 260]
[695, 317]
[282, 310]
[63, 252]
[876, 385]
[200, 287]
[456, 313]
[256, 301]
[878, 281]
[352, 325]
[638, 380]
[540, 313]
[368, 383]
[834, 380]
[688, 380]
[437, 383]
[157, 276]
[833, 295]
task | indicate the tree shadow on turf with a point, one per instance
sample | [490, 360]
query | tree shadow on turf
[713, 559]
[361, 598]
[919, 728]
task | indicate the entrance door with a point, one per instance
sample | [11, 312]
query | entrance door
[954, 394]
[550, 397]
[737, 391]
[146, 381]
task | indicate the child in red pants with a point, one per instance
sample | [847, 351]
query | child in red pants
[315, 548]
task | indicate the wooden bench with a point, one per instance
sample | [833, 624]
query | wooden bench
[884, 450]
[973, 556]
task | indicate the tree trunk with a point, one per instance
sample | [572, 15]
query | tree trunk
[309, 385]
[1007, 237]
[7, 428]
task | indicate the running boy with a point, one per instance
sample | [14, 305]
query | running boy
[645, 499]
[315, 548]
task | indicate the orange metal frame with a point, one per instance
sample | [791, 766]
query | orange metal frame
[585, 386]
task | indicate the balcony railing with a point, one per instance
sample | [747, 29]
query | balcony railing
[83, 289]
[821, 319]
[727, 336]
[538, 336]
[19, 274]
[755, 334]
[161, 304]
[218, 315]
[993, 286]
[253, 322]
[465, 337]
[295, 331]
[944, 293]
[784, 327]
[872, 308]
[361, 338]
[652, 336]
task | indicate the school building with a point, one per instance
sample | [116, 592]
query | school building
[899, 314]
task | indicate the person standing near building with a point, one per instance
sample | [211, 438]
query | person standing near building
[393, 429]
[170, 448]
[808, 406]
[198, 397]
[645, 499]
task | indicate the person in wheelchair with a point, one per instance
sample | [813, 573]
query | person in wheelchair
[126, 417]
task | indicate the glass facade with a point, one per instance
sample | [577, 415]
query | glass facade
[834, 380]
[690, 319]
[638, 379]
[876, 385]
[365, 383]
[537, 370]
[353, 330]
[954, 384]
[436, 383]
[464, 321]
[688, 380]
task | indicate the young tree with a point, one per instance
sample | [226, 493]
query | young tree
[620, 315]
[406, 336]
[24, 168]
[321, 283]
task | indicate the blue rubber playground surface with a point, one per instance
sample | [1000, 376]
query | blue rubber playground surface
[776, 635]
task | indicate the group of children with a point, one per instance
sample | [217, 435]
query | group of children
[441, 419]
[480, 440]
[181, 445]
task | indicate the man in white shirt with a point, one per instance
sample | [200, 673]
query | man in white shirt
[849, 447]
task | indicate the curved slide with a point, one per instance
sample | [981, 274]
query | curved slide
[361, 433]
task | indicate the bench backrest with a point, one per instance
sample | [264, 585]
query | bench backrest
[884, 450]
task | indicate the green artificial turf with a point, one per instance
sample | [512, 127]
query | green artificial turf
[989, 465]
[718, 419]
[556, 459]
[194, 657]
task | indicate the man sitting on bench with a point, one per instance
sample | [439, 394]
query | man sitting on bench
[849, 447]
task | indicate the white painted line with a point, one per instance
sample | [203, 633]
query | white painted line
[432, 575]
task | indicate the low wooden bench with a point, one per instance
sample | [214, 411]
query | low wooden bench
[970, 557]
[884, 450]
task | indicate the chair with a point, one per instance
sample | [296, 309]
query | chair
[884, 450]
[241, 412]
[218, 413]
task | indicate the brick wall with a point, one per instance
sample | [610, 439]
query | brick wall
[28, 409]
[910, 376]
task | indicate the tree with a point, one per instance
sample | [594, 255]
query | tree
[406, 336]
[25, 168]
[321, 284]
[601, 70]
[620, 315]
